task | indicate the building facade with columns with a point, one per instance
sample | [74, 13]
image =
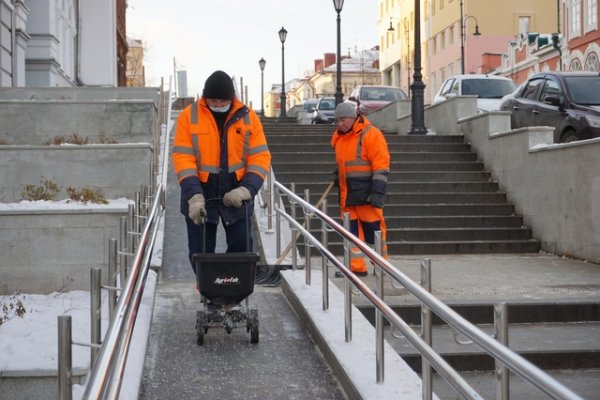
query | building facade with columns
[62, 43]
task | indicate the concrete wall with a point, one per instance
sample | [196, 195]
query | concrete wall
[35, 122]
[556, 187]
[386, 118]
[83, 93]
[118, 170]
[441, 118]
[53, 250]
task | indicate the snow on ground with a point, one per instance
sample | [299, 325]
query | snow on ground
[31, 342]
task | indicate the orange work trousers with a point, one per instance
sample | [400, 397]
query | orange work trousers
[365, 220]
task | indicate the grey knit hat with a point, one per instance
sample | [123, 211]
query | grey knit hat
[345, 110]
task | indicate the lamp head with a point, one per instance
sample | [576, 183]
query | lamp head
[338, 4]
[261, 63]
[282, 34]
[476, 33]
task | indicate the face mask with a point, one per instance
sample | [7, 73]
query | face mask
[220, 109]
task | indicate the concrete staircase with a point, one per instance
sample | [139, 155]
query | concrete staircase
[440, 199]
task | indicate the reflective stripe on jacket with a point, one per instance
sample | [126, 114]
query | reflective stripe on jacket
[211, 162]
[363, 162]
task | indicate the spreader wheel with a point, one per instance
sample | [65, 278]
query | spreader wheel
[253, 324]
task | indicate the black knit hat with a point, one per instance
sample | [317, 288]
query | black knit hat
[219, 86]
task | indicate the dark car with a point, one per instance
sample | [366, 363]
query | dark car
[324, 111]
[567, 101]
[369, 98]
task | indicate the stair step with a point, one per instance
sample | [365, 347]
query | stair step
[446, 198]
[318, 185]
[440, 156]
[451, 247]
[549, 346]
[392, 147]
[461, 221]
[433, 210]
[581, 381]
[398, 177]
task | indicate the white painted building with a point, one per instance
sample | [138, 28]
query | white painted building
[58, 43]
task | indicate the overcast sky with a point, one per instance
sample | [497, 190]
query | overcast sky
[232, 35]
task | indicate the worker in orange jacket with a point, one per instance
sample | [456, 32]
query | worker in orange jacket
[219, 152]
[363, 165]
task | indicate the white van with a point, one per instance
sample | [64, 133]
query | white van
[489, 89]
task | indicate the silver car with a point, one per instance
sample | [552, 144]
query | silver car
[489, 89]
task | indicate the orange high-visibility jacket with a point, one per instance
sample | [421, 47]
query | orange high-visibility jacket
[198, 149]
[197, 144]
[363, 162]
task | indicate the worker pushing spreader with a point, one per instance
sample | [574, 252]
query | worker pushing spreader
[225, 282]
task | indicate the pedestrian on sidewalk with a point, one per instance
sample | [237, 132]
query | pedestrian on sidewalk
[220, 153]
[363, 166]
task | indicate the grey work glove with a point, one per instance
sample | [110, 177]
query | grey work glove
[376, 199]
[236, 197]
[197, 209]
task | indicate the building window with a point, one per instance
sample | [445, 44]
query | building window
[524, 25]
[575, 65]
[442, 74]
[433, 5]
[591, 62]
[441, 4]
[451, 35]
[591, 15]
[575, 28]
[450, 70]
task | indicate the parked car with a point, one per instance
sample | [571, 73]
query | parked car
[309, 105]
[567, 101]
[369, 98]
[489, 89]
[324, 111]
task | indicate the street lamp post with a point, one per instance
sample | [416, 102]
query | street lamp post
[418, 87]
[339, 96]
[407, 33]
[261, 64]
[463, 21]
[282, 36]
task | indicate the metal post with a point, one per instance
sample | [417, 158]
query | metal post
[426, 321]
[292, 229]
[339, 96]
[132, 227]
[95, 312]
[112, 276]
[347, 283]
[270, 201]
[124, 259]
[379, 322]
[462, 39]
[282, 36]
[418, 87]
[307, 244]
[261, 64]
[65, 359]
[277, 225]
[501, 334]
[324, 264]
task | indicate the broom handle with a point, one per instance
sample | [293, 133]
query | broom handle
[289, 246]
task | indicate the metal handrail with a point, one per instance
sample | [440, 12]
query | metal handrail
[497, 350]
[107, 373]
